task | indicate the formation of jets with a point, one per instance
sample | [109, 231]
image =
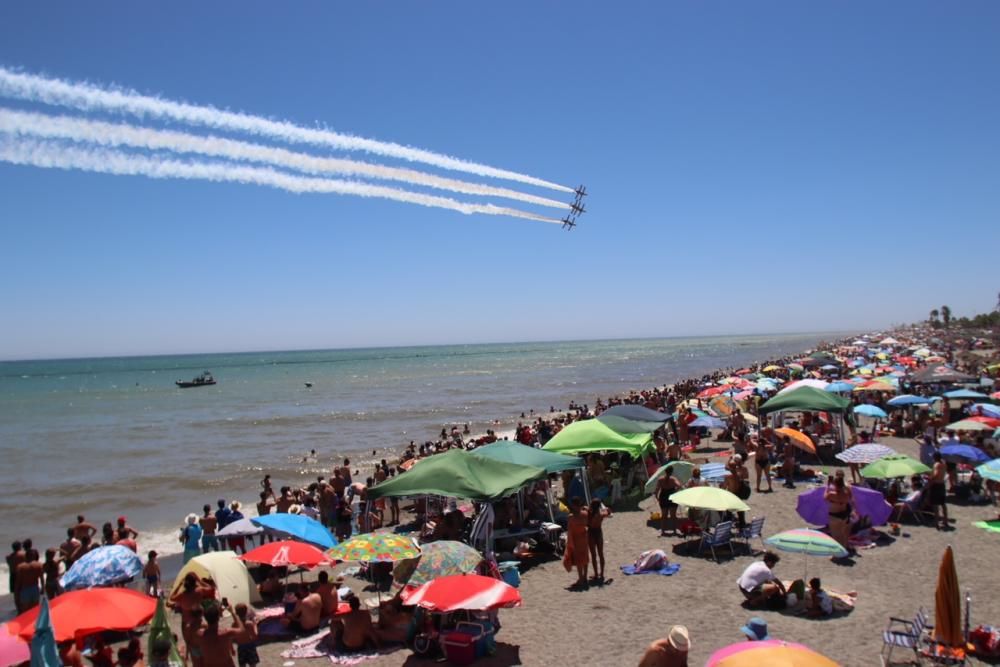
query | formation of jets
[576, 208]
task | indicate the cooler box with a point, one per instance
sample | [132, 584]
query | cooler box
[509, 573]
[483, 630]
[459, 646]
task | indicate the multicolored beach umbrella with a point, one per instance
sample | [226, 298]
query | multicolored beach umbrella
[768, 652]
[104, 566]
[865, 453]
[437, 559]
[375, 547]
[807, 541]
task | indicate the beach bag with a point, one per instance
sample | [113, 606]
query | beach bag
[654, 559]
[744, 491]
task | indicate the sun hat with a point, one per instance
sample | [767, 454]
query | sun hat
[678, 638]
[756, 629]
[191, 518]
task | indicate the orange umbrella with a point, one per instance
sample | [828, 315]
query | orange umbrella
[768, 652]
[798, 438]
[948, 604]
[81, 613]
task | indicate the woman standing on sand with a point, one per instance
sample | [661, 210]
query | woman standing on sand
[665, 487]
[595, 536]
[577, 542]
[762, 461]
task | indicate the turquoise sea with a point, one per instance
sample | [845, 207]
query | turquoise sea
[112, 436]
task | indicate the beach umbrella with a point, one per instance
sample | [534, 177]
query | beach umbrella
[81, 613]
[798, 438]
[159, 630]
[464, 591]
[724, 405]
[299, 527]
[992, 422]
[815, 384]
[964, 393]
[709, 498]
[864, 453]
[286, 553]
[104, 566]
[240, 528]
[839, 387]
[870, 411]
[990, 470]
[897, 465]
[375, 547]
[43, 645]
[987, 409]
[680, 469]
[968, 425]
[713, 473]
[711, 391]
[770, 369]
[795, 367]
[910, 399]
[437, 559]
[948, 604]
[806, 541]
[815, 509]
[708, 421]
[13, 649]
[964, 453]
[771, 652]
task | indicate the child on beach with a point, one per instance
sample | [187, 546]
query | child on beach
[595, 536]
[246, 652]
[151, 573]
[819, 602]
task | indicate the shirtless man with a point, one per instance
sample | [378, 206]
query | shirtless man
[208, 524]
[305, 616]
[671, 651]
[188, 600]
[285, 501]
[125, 531]
[674, 452]
[217, 644]
[83, 529]
[328, 594]
[27, 583]
[68, 548]
[69, 655]
[14, 558]
[354, 630]
[939, 475]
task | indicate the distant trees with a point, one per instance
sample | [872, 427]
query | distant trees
[934, 318]
[981, 321]
[946, 316]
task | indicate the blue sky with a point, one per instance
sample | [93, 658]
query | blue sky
[753, 167]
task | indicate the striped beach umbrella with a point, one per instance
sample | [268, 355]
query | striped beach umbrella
[104, 566]
[464, 591]
[865, 453]
[768, 652]
[807, 541]
[375, 547]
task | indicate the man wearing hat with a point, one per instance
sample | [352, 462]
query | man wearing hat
[669, 652]
[756, 629]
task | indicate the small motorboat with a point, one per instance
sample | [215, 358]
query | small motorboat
[309, 385]
[202, 380]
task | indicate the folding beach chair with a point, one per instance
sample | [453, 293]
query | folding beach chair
[912, 504]
[721, 535]
[754, 531]
[900, 633]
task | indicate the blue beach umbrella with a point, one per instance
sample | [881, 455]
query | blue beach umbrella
[965, 453]
[839, 387]
[990, 470]
[708, 421]
[964, 393]
[987, 409]
[299, 527]
[870, 411]
[43, 643]
[104, 566]
[910, 399]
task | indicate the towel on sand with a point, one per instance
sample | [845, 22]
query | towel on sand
[666, 570]
[309, 648]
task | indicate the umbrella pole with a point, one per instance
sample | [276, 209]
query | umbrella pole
[548, 500]
[586, 486]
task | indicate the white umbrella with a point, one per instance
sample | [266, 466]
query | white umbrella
[241, 528]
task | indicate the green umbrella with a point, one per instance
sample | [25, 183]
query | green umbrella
[160, 630]
[681, 470]
[43, 643]
[709, 498]
[894, 466]
[989, 526]
[806, 541]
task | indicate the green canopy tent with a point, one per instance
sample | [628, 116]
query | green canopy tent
[458, 474]
[591, 435]
[808, 399]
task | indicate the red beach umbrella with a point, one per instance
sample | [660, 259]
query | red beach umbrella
[992, 422]
[711, 391]
[13, 649]
[81, 613]
[464, 591]
[286, 553]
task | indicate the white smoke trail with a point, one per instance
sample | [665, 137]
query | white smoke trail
[87, 97]
[53, 155]
[114, 135]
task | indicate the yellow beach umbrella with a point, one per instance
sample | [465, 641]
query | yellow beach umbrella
[798, 438]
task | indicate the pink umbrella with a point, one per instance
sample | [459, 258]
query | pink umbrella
[13, 650]
[768, 652]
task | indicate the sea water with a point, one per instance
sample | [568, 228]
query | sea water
[112, 436]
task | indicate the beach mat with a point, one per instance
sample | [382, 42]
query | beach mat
[309, 648]
[666, 570]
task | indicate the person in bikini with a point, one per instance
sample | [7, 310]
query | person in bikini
[665, 488]
[595, 536]
[938, 491]
[839, 497]
[762, 462]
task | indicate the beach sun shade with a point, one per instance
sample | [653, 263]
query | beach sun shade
[839, 387]
[240, 528]
[159, 630]
[798, 384]
[939, 373]
[104, 566]
[627, 426]
[375, 547]
[807, 541]
[679, 469]
[43, 645]
[437, 559]
[464, 591]
[709, 498]
[81, 613]
[797, 438]
[948, 604]
[286, 553]
[522, 455]
[768, 652]
[230, 574]
[910, 399]
[708, 421]
[458, 474]
[990, 470]
[870, 411]
[864, 453]
[13, 649]
[987, 409]
[297, 526]
[964, 453]
[807, 399]
[992, 422]
[964, 393]
[890, 467]
[639, 413]
[590, 435]
[968, 425]
[815, 509]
